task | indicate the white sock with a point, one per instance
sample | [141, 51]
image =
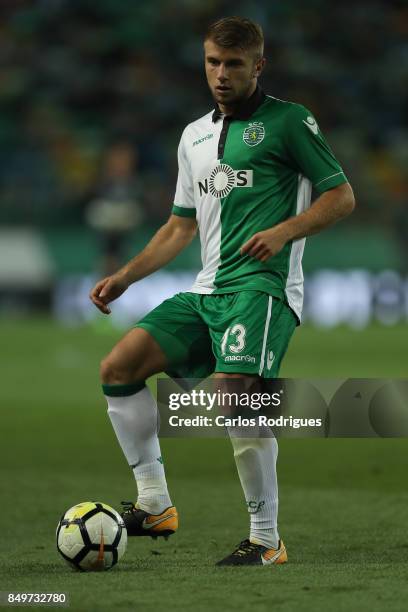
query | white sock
[255, 459]
[135, 421]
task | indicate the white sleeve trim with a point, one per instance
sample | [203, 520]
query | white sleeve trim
[328, 177]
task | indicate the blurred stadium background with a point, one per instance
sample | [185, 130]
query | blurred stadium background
[94, 97]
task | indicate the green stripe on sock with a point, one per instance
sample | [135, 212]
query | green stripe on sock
[123, 390]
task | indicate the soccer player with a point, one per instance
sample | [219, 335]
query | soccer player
[246, 172]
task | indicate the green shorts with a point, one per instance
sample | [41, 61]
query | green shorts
[246, 332]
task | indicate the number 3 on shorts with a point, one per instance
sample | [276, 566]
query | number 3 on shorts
[239, 332]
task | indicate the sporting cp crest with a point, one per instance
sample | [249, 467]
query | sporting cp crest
[254, 133]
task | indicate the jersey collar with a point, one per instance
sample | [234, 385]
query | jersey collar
[246, 109]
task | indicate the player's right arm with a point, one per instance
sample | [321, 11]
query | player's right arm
[165, 245]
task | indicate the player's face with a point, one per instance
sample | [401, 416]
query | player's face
[231, 73]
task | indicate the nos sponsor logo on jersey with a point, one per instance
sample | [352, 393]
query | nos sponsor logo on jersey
[223, 179]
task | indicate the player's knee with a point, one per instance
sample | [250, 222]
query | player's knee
[238, 382]
[111, 374]
[234, 375]
[106, 371]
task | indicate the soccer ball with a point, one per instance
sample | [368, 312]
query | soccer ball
[91, 536]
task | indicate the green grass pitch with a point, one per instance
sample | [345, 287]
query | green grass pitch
[343, 503]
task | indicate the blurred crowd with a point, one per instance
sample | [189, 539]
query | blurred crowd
[95, 94]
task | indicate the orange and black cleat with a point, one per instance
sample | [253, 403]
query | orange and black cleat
[248, 553]
[141, 523]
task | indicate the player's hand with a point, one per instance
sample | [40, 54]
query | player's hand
[265, 244]
[107, 290]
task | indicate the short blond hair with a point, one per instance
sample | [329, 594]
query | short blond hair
[238, 32]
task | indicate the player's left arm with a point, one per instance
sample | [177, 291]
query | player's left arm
[329, 207]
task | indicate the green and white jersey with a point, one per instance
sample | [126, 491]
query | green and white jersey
[246, 173]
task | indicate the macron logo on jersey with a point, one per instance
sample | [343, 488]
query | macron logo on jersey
[223, 179]
[203, 139]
